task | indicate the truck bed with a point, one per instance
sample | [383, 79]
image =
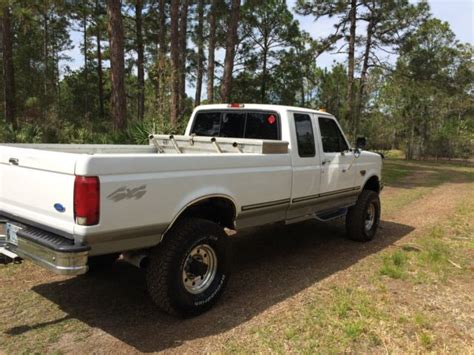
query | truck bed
[141, 190]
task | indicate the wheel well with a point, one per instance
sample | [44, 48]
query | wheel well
[372, 184]
[216, 209]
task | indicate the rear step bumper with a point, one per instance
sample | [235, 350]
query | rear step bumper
[51, 251]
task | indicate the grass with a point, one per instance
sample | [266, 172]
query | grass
[414, 180]
[383, 312]
[431, 259]
[394, 154]
[331, 321]
[393, 172]
[394, 265]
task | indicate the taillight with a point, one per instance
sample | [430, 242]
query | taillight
[87, 200]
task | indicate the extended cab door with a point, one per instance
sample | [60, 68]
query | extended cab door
[337, 160]
[306, 165]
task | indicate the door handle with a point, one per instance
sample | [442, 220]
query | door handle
[13, 161]
[325, 161]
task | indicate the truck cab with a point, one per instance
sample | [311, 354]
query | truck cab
[326, 171]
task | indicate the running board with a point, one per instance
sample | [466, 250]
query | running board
[328, 216]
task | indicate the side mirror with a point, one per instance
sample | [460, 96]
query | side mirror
[361, 142]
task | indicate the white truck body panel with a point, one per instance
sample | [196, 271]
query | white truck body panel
[31, 189]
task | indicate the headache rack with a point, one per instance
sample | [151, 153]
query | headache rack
[205, 145]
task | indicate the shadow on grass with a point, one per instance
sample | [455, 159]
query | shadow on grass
[271, 264]
[26, 328]
[413, 174]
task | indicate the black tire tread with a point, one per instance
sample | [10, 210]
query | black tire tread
[163, 255]
[355, 218]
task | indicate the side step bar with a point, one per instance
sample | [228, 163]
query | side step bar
[328, 216]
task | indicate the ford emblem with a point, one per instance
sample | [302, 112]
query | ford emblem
[60, 208]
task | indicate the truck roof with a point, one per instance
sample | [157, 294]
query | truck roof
[261, 107]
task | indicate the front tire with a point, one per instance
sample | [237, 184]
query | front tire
[189, 270]
[363, 219]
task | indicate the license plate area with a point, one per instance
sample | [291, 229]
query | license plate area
[11, 231]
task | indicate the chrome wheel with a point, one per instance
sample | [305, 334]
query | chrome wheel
[199, 269]
[370, 217]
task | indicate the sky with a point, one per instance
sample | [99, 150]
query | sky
[458, 13]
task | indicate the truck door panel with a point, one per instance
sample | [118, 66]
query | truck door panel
[306, 165]
[337, 172]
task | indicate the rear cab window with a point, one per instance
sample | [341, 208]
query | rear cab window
[304, 135]
[237, 124]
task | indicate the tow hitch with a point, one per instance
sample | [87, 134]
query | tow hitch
[7, 257]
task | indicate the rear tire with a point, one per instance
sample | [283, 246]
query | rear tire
[189, 270]
[363, 219]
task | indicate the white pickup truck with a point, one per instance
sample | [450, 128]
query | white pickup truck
[171, 207]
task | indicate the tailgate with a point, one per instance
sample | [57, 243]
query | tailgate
[37, 186]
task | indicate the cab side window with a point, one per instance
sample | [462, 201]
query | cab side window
[331, 136]
[304, 135]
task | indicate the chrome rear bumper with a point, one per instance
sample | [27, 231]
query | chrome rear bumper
[55, 253]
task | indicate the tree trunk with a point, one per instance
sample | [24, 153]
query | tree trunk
[174, 62]
[411, 142]
[86, 69]
[183, 31]
[212, 49]
[100, 75]
[303, 101]
[231, 42]
[57, 78]
[140, 59]
[8, 68]
[363, 75]
[161, 53]
[46, 59]
[200, 60]
[264, 72]
[162, 27]
[115, 28]
[350, 82]
[99, 62]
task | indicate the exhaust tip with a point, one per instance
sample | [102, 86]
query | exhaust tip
[137, 259]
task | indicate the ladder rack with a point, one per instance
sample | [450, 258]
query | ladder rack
[205, 145]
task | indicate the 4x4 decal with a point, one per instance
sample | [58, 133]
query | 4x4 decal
[124, 193]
